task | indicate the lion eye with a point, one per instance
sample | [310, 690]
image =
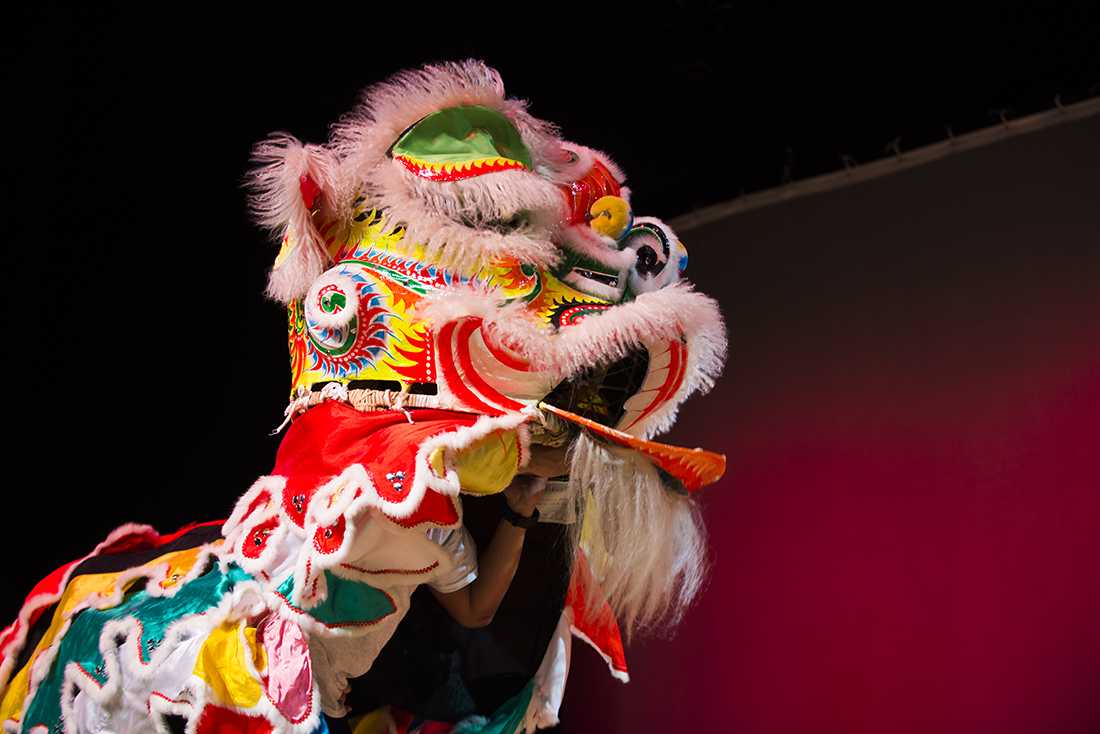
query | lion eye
[651, 251]
[648, 264]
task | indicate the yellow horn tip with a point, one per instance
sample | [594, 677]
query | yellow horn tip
[610, 216]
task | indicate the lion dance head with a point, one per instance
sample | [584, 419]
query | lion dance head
[448, 250]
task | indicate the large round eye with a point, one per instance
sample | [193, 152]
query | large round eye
[651, 252]
[332, 299]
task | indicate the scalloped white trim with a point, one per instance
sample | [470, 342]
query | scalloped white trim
[40, 666]
[247, 600]
[119, 640]
[160, 707]
[15, 645]
[336, 499]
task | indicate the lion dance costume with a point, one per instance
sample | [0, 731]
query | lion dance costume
[461, 284]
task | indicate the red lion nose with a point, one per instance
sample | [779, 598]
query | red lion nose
[580, 195]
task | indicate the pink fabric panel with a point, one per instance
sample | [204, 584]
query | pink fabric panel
[289, 683]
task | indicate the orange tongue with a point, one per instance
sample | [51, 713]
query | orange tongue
[695, 468]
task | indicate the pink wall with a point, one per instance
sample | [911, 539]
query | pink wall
[908, 536]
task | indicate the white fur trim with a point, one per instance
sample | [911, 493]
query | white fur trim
[431, 212]
[611, 166]
[40, 666]
[271, 485]
[123, 666]
[564, 171]
[363, 137]
[277, 204]
[161, 707]
[453, 220]
[337, 499]
[120, 638]
[588, 242]
[15, 645]
[334, 278]
[674, 312]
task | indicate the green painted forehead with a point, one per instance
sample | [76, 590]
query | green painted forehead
[463, 134]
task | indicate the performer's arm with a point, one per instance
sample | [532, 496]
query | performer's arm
[474, 605]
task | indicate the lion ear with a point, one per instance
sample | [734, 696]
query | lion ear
[291, 186]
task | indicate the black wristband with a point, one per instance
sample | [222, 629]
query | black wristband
[519, 520]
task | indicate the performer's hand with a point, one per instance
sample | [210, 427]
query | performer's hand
[547, 461]
[474, 605]
[524, 492]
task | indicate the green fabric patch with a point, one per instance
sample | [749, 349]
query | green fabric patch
[80, 644]
[460, 134]
[348, 603]
[508, 718]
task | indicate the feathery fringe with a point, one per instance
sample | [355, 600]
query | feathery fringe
[388, 108]
[453, 221]
[646, 545]
[276, 203]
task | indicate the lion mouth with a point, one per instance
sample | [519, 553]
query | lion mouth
[456, 171]
[608, 279]
[518, 222]
[600, 393]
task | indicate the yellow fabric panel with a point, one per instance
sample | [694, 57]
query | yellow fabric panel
[221, 663]
[486, 466]
[12, 706]
[78, 591]
[435, 460]
[180, 564]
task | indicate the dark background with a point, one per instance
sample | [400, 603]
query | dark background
[905, 541]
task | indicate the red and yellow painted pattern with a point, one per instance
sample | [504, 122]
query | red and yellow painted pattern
[438, 171]
[400, 277]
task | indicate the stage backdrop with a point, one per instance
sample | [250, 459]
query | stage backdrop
[908, 537]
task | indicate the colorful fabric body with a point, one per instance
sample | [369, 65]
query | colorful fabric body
[191, 634]
[262, 627]
[461, 286]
